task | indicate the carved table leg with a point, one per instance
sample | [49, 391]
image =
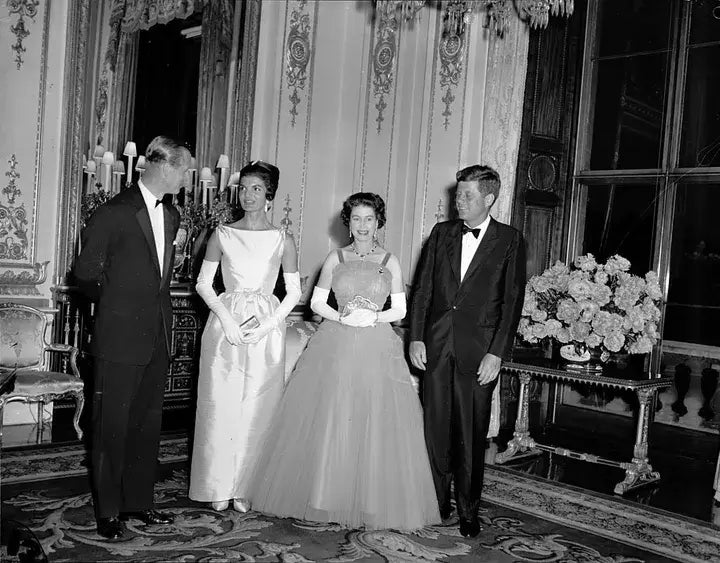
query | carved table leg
[639, 472]
[79, 404]
[521, 441]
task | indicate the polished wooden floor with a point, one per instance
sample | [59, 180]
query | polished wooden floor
[685, 459]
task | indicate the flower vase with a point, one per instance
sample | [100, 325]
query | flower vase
[577, 357]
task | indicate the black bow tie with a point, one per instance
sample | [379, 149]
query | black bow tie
[159, 201]
[475, 232]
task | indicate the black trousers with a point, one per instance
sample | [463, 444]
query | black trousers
[456, 412]
[127, 413]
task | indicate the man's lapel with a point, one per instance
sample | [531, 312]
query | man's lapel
[143, 218]
[169, 239]
[453, 245]
[486, 246]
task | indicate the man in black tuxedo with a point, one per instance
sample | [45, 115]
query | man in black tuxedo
[125, 266]
[465, 308]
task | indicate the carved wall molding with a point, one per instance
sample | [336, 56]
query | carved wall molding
[13, 218]
[23, 282]
[74, 129]
[383, 62]
[22, 9]
[299, 53]
[542, 173]
[450, 52]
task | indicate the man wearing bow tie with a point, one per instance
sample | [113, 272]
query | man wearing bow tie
[464, 312]
[126, 266]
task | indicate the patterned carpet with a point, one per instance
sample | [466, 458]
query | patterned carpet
[524, 519]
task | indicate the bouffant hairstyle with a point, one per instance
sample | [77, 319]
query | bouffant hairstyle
[487, 178]
[164, 149]
[269, 174]
[374, 201]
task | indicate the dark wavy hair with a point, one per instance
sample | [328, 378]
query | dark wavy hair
[368, 199]
[269, 174]
[487, 178]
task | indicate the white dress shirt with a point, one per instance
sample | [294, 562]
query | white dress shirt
[470, 245]
[157, 220]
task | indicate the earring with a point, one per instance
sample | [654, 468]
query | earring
[268, 207]
[350, 232]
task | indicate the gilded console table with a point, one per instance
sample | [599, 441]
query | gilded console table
[638, 472]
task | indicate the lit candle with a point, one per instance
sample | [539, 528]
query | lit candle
[140, 166]
[131, 152]
[107, 162]
[233, 183]
[206, 178]
[118, 170]
[223, 164]
[98, 156]
[90, 169]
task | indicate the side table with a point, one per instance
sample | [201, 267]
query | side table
[638, 471]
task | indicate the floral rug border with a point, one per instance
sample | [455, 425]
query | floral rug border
[651, 529]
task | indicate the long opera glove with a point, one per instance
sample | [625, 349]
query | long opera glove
[292, 296]
[205, 290]
[397, 310]
[319, 304]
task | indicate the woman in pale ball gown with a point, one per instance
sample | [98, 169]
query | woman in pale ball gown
[347, 443]
[241, 365]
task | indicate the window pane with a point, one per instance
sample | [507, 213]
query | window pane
[693, 309]
[629, 104]
[633, 27]
[700, 141]
[621, 220]
[705, 23]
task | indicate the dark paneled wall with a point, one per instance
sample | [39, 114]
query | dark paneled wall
[544, 174]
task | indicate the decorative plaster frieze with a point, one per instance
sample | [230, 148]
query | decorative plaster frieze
[384, 54]
[451, 69]
[299, 52]
[13, 219]
[23, 282]
[23, 9]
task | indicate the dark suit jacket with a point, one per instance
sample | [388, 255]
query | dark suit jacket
[479, 315]
[118, 268]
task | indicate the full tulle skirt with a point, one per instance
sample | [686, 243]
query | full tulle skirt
[239, 388]
[347, 442]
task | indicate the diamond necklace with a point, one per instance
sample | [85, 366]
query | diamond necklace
[362, 256]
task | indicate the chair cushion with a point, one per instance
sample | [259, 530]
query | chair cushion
[34, 383]
[21, 338]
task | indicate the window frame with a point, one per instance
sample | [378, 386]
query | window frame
[667, 177]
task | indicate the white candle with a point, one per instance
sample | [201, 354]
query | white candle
[131, 152]
[90, 169]
[107, 162]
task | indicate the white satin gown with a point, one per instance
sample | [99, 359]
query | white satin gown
[239, 386]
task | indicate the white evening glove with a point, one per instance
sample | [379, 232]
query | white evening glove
[360, 318]
[319, 304]
[205, 290]
[397, 310]
[292, 296]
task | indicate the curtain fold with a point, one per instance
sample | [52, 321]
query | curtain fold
[504, 97]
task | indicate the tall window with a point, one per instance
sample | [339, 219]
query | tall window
[647, 182]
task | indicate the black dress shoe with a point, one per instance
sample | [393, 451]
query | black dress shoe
[110, 528]
[446, 513]
[469, 528]
[148, 517]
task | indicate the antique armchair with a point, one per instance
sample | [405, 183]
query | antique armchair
[23, 347]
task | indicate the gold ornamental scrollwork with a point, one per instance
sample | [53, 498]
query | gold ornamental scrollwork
[384, 55]
[24, 282]
[451, 68]
[23, 9]
[298, 54]
[13, 219]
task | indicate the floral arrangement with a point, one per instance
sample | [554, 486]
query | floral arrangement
[90, 202]
[593, 306]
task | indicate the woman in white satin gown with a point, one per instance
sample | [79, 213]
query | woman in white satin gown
[241, 368]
